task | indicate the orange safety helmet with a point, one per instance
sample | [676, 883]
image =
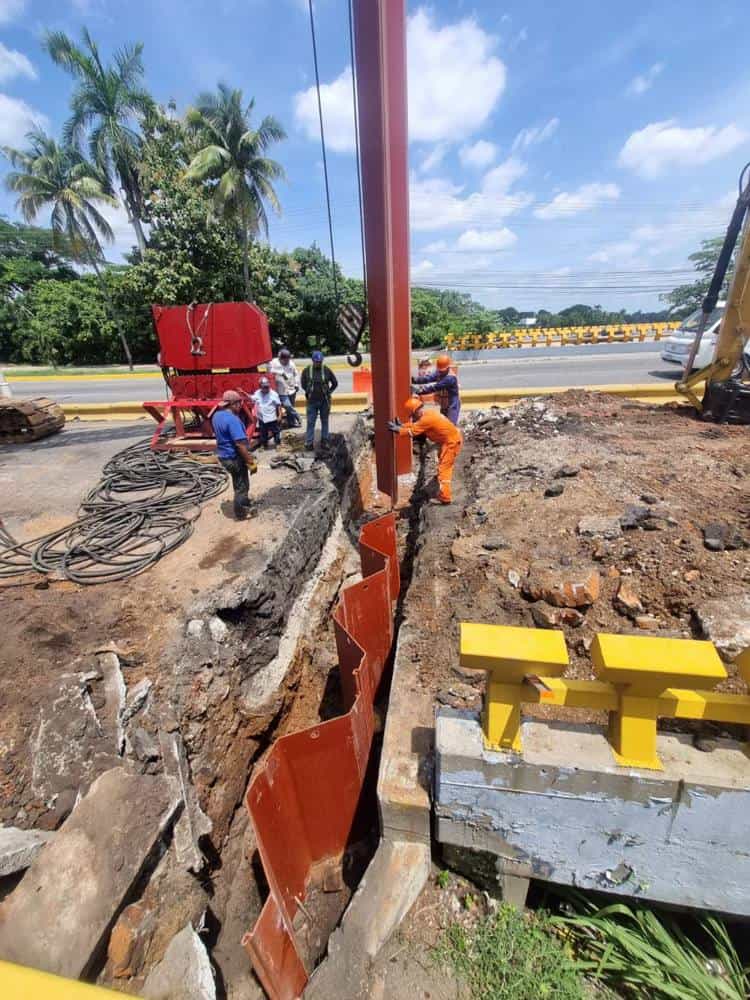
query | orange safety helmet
[412, 404]
[443, 362]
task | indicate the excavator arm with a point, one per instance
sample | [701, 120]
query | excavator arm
[726, 395]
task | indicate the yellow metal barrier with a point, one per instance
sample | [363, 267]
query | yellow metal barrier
[20, 983]
[640, 679]
[530, 336]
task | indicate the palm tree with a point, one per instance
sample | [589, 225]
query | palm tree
[48, 174]
[233, 154]
[107, 103]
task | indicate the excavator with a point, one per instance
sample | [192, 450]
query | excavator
[726, 396]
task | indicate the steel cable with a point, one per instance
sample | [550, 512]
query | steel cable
[144, 507]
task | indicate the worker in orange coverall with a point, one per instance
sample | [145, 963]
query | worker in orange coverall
[439, 429]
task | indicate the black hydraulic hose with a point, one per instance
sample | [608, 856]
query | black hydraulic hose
[730, 241]
[144, 507]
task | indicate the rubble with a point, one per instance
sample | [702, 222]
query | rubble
[129, 939]
[627, 600]
[726, 622]
[562, 589]
[634, 516]
[57, 917]
[184, 973]
[719, 537]
[566, 472]
[494, 543]
[597, 526]
[18, 848]
[192, 823]
[555, 490]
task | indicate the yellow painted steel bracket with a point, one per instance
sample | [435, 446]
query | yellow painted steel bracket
[19, 983]
[640, 679]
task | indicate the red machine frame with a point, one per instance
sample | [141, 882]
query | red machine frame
[205, 349]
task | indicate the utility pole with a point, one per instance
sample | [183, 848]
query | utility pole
[380, 57]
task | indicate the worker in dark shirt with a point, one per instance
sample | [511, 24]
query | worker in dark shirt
[232, 450]
[318, 382]
[444, 384]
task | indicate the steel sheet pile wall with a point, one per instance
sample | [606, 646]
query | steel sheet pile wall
[305, 799]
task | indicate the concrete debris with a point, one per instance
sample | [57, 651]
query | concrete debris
[494, 543]
[627, 600]
[649, 498]
[514, 578]
[555, 490]
[725, 621]
[561, 588]
[718, 537]
[192, 823]
[692, 575]
[596, 526]
[218, 629]
[143, 745]
[634, 516]
[566, 472]
[184, 973]
[647, 622]
[545, 616]
[137, 699]
[58, 916]
[114, 693]
[194, 629]
[18, 848]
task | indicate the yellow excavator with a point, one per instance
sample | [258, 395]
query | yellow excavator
[726, 397]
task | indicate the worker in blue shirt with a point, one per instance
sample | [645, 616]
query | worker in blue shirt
[232, 450]
[444, 384]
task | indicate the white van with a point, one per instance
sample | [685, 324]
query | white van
[677, 347]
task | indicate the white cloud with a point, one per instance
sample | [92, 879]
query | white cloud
[10, 10]
[644, 81]
[437, 247]
[124, 240]
[14, 64]
[16, 119]
[338, 112]
[479, 154]
[586, 197]
[437, 203]
[434, 158]
[488, 239]
[424, 267]
[449, 97]
[625, 250]
[659, 146]
[533, 136]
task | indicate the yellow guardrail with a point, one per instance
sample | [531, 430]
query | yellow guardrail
[19, 983]
[354, 402]
[640, 679]
[531, 336]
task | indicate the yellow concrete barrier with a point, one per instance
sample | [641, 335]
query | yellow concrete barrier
[641, 679]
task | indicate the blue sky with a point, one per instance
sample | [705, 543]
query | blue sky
[560, 153]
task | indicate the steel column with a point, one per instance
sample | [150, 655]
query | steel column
[380, 55]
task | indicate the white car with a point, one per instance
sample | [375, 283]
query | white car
[677, 347]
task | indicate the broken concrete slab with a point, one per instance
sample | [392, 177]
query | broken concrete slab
[726, 622]
[18, 848]
[192, 823]
[184, 973]
[596, 526]
[58, 917]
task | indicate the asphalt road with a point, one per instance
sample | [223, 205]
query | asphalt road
[608, 364]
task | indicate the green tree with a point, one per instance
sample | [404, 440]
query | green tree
[233, 160]
[48, 175]
[687, 298]
[108, 103]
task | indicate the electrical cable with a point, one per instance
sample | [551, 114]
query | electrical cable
[325, 161]
[145, 506]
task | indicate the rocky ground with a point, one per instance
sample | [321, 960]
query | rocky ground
[591, 514]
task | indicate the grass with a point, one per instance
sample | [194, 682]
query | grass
[646, 956]
[511, 955]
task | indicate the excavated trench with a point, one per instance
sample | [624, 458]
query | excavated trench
[224, 705]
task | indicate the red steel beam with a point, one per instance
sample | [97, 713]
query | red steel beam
[380, 55]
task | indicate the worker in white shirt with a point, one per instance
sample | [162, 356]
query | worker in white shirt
[268, 412]
[285, 372]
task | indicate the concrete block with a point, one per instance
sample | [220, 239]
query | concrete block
[18, 848]
[58, 918]
[571, 816]
[184, 973]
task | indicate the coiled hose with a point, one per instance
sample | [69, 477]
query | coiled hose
[144, 506]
